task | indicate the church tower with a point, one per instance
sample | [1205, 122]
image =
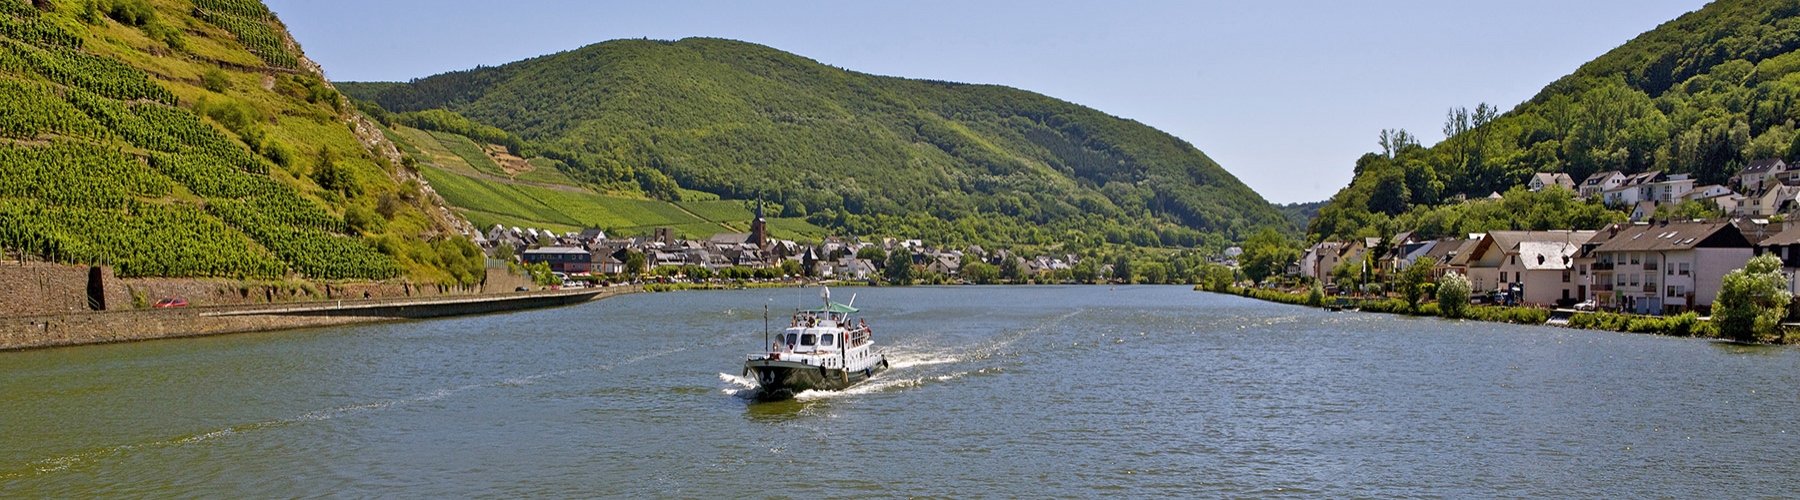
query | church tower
[759, 233]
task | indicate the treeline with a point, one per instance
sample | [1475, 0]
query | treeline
[1704, 95]
[850, 150]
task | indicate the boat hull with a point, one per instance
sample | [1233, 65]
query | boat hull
[778, 380]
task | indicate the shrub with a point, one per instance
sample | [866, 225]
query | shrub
[215, 80]
[1453, 295]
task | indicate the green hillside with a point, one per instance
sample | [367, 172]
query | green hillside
[853, 152]
[1703, 94]
[184, 138]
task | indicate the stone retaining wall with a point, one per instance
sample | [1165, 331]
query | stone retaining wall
[54, 330]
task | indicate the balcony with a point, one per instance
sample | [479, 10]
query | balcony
[1650, 266]
[1603, 288]
[1650, 288]
[1603, 266]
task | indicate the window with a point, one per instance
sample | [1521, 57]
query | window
[1671, 290]
[1634, 259]
[1503, 276]
[1583, 268]
[826, 340]
[1635, 279]
[809, 339]
[1684, 269]
[792, 337]
[1565, 276]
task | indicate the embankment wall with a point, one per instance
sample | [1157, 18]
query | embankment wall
[65, 329]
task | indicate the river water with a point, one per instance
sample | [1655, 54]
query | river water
[995, 392]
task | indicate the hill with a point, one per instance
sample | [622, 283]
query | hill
[1703, 94]
[192, 138]
[853, 152]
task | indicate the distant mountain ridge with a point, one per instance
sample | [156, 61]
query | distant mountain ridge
[855, 152]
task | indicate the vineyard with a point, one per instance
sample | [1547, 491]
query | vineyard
[250, 21]
[105, 168]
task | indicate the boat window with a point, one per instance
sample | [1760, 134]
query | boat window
[826, 340]
[791, 337]
[808, 339]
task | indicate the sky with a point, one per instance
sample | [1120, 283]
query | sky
[1284, 94]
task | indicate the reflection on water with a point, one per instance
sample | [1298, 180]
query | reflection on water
[1007, 391]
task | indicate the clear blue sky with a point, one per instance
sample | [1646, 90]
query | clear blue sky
[1284, 94]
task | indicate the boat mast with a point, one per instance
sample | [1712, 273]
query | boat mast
[766, 325]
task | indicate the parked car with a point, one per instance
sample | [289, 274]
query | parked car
[1586, 306]
[522, 289]
[171, 302]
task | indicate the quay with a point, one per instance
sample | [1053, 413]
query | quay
[100, 327]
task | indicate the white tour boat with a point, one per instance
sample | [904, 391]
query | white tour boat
[822, 349]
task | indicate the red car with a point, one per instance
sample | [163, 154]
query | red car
[171, 302]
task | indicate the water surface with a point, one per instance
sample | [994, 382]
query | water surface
[996, 392]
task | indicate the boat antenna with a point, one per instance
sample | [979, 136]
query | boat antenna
[766, 324]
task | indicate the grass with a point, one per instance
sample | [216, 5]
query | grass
[492, 197]
[469, 152]
[719, 211]
[795, 228]
[488, 202]
[484, 220]
[433, 151]
[543, 170]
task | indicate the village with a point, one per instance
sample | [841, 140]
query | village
[751, 256]
[1645, 265]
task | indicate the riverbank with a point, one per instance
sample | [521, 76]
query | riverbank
[1683, 325]
[80, 328]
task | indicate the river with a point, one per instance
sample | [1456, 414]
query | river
[995, 392]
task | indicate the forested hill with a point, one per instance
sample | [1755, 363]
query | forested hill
[1703, 94]
[859, 153]
[192, 138]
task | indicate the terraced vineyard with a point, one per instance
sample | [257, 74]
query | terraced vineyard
[106, 163]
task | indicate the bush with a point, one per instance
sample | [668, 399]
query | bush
[215, 80]
[1453, 295]
[1514, 315]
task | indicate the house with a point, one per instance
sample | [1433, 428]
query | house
[1493, 264]
[567, 260]
[1706, 192]
[1632, 189]
[1599, 183]
[606, 264]
[1319, 260]
[945, 265]
[1668, 266]
[1758, 171]
[1768, 199]
[1643, 211]
[1671, 190]
[1786, 245]
[1544, 272]
[1543, 180]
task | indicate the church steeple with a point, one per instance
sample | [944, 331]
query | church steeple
[759, 234]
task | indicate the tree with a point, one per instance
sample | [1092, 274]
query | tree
[1315, 296]
[1348, 273]
[1010, 270]
[1752, 300]
[899, 269]
[634, 263]
[1085, 272]
[1155, 273]
[871, 253]
[1216, 277]
[1453, 295]
[981, 272]
[1267, 254]
[1413, 279]
[505, 252]
[1122, 269]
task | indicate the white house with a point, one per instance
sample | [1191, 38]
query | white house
[1632, 189]
[1545, 179]
[1599, 183]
